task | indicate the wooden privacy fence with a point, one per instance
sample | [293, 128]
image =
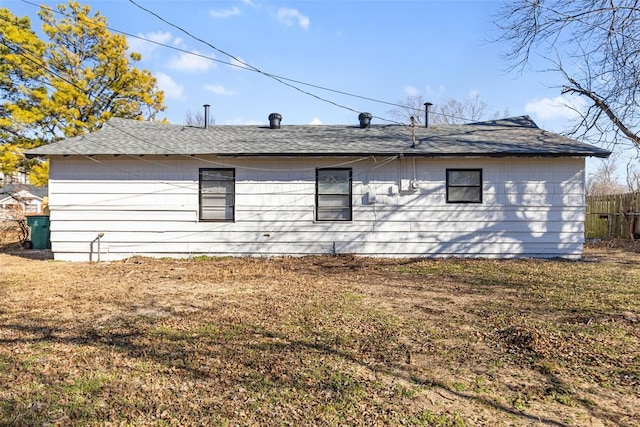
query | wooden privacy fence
[613, 216]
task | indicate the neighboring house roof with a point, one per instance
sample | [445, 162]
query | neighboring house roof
[20, 196]
[38, 192]
[516, 136]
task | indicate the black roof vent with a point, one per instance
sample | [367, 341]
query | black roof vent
[427, 114]
[206, 115]
[365, 120]
[274, 120]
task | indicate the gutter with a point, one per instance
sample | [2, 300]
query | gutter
[601, 154]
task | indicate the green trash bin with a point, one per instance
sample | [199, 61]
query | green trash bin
[39, 225]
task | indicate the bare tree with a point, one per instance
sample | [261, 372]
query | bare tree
[197, 119]
[633, 177]
[411, 106]
[471, 109]
[595, 48]
[450, 112]
[603, 182]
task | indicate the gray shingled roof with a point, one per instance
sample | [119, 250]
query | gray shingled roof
[517, 136]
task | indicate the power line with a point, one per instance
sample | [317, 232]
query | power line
[251, 66]
[245, 66]
[173, 184]
[44, 66]
[282, 80]
[25, 53]
[133, 136]
[21, 51]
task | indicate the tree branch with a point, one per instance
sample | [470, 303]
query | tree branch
[604, 107]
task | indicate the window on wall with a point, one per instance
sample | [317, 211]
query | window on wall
[217, 194]
[464, 185]
[333, 194]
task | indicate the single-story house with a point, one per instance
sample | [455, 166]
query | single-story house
[497, 189]
[20, 201]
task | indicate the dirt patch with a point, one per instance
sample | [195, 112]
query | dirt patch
[625, 245]
[321, 341]
[620, 250]
[613, 246]
[11, 238]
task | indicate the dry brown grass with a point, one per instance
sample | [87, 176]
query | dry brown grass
[321, 340]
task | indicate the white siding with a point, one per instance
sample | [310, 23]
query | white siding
[149, 206]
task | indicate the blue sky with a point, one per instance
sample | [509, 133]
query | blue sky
[379, 49]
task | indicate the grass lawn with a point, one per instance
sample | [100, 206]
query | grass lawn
[320, 341]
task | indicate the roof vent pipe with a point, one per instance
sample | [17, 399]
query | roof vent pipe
[365, 120]
[274, 120]
[206, 116]
[427, 114]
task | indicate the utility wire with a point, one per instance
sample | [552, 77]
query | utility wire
[44, 66]
[21, 51]
[282, 80]
[245, 66]
[25, 53]
[133, 136]
[30, 57]
[257, 70]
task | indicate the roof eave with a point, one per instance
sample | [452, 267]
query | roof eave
[599, 154]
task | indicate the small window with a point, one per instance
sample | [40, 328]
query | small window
[464, 185]
[333, 194]
[217, 194]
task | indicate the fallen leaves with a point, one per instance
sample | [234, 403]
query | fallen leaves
[318, 341]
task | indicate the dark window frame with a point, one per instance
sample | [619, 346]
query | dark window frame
[318, 207]
[233, 195]
[479, 186]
